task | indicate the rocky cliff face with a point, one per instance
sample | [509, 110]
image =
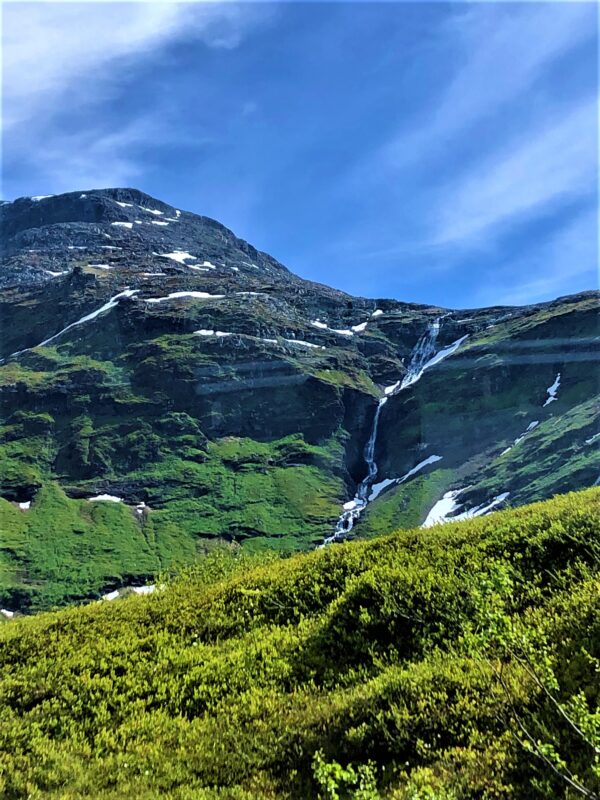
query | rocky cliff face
[150, 356]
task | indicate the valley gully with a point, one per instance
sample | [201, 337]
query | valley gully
[423, 357]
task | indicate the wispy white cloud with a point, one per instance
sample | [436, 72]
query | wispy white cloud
[89, 159]
[50, 47]
[544, 166]
[567, 258]
[461, 174]
[80, 55]
[499, 55]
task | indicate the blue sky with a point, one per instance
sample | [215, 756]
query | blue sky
[434, 152]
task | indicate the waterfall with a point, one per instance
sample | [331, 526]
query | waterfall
[423, 356]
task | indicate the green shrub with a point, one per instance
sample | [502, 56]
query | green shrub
[455, 662]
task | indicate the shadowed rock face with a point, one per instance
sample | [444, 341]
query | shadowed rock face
[150, 354]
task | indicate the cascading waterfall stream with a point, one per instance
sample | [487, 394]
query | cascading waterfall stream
[424, 356]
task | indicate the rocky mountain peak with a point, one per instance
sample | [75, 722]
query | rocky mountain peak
[93, 225]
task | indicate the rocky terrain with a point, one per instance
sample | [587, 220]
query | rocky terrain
[165, 386]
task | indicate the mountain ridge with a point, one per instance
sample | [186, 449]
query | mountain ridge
[130, 195]
[152, 356]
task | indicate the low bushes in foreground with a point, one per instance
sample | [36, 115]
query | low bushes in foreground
[456, 662]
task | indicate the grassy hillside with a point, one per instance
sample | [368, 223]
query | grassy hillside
[258, 441]
[455, 662]
[63, 550]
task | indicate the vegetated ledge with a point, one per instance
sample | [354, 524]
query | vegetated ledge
[412, 665]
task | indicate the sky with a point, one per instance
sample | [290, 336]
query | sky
[442, 153]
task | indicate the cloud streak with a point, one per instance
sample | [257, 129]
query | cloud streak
[492, 149]
[551, 165]
[49, 47]
[65, 63]
[498, 57]
[567, 257]
[91, 159]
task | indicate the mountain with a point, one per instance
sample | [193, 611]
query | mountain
[165, 386]
[411, 666]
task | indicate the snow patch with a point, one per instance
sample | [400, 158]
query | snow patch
[593, 438]
[56, 274]
[341, 332]
[552, 390]
[360, 327]
[122, 224]
[377, 313]
[152, 211]
[109, 498]
[377, 488]
[421, 465]
[100, 266]
[111, 595]
[158, 222]
[302, 343]
[25, 506]
[442, 509]
[179, 255]
[114, 301]
[39, 197]
[207, 332]
[6, 613]
[480, 511]
[530, 427]
[144, 589]
[175, 295]
[124, 205]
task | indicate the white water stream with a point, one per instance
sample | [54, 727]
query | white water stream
[422, 358]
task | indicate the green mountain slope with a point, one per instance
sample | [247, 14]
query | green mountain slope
[413, 666]
[217, 397]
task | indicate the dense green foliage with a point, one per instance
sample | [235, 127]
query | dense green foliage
[234, 490]
[456, 662]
